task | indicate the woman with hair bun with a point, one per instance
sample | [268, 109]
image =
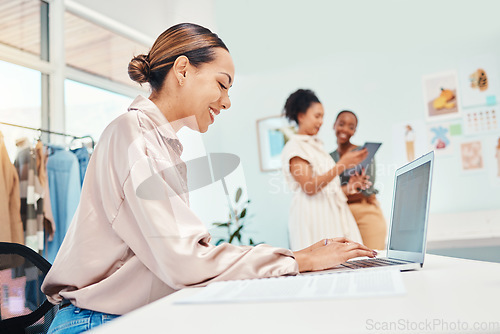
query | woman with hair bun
[134, 238]
[319, 206]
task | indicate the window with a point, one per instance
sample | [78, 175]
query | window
[21, 104]
[93, 54]
[90, 109]
[99, 51]
[20, 24]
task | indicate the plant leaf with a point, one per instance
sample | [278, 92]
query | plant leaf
[236, 234]
[243, 213]
[238, 230]
[219, 242]
[238, 194]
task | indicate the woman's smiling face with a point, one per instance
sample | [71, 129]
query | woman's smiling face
[345, 127]
[206, 89]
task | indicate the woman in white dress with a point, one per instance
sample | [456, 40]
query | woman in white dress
[319, 206]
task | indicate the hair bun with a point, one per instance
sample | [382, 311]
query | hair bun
[298, 102]
[139, 69]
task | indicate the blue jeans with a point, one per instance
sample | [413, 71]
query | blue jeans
[72, 320]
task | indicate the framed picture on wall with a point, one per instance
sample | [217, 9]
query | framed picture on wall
[441, 96]
[479, 84]
[442, 137]
[409, 140]
[272, 134]
[472, 155]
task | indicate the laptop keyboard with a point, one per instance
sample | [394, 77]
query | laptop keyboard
[368, 263]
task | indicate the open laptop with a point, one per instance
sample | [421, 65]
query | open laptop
[409, 217]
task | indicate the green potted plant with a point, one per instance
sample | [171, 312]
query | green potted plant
[236, 222]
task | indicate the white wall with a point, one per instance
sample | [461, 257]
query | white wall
[368, 56]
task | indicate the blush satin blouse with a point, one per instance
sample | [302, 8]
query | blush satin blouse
[133, 238]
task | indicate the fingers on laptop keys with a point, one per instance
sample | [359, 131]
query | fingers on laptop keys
[360, 249]
[357, 249]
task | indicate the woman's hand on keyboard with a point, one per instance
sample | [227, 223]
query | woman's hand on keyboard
[329, 253]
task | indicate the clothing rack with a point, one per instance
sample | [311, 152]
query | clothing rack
[52, 132]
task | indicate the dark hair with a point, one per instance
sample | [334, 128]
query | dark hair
[298, 103]
[346, 111]
[184, 39]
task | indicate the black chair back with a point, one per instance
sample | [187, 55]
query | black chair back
[23, 306]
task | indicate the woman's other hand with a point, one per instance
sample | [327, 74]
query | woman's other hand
[352, 158]
[329, 253]
[358, 182]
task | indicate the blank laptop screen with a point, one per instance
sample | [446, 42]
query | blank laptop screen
[408, 214]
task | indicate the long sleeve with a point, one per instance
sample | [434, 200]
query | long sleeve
[174, 244]
[133, 238]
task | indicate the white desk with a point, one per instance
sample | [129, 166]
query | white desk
[445, 296]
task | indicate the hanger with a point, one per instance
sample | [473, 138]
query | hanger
[40, 131]
[82, 143]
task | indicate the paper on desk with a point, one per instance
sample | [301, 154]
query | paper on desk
[351, 284]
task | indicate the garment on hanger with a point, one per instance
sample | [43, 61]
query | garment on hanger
[11, 226]
[82, 154]
[38, 221]
[31, 193]
[63, 172]
[41, 162]
[48, 218]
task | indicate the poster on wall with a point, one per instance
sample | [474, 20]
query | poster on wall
[491, 155]
[441, 96]
[481, 120]
[272, 133]
[441, 137]
[479, 84]
[471, 156]
[492, 149]
[409, 141]
[497, 157]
